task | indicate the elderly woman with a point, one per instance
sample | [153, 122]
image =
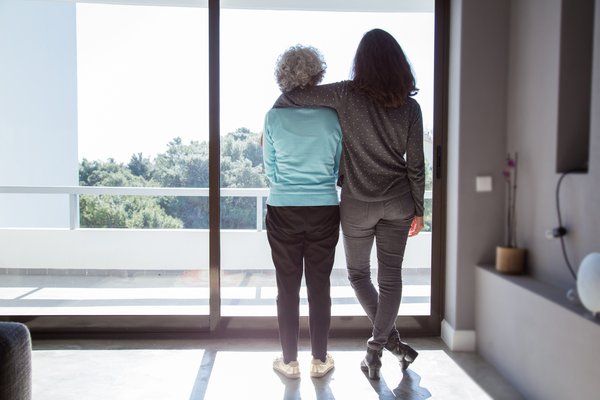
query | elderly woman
[302, 148]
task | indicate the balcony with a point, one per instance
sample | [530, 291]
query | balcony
[73, 271]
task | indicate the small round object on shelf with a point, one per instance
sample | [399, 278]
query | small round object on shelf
[588, 282]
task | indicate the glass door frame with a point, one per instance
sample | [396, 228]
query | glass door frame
[429, 325]
[214, 324]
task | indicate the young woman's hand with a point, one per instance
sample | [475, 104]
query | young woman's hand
[416, 226]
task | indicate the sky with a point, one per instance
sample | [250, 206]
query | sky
[143, 70]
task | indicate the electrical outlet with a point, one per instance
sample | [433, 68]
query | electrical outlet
[483, 184]
[556, 232]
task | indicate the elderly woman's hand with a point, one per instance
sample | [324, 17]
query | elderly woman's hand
[416, 226]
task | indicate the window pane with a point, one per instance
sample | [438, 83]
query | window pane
[251, 40]
[140, 74]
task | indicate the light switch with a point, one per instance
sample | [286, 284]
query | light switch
[483, 184]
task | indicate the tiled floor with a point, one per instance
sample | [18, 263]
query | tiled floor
[222, 369]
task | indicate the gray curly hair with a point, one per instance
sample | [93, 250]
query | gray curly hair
[299, 67]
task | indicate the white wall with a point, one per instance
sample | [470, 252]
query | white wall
[476, 142]
[38, 108]
[544, 349]
[157, 249]
[533, 112]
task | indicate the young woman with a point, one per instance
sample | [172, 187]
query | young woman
[301, 149]
[382, 176]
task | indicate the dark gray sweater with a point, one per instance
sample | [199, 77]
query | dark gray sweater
[382, 153]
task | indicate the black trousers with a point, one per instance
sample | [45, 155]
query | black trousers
[303, 236]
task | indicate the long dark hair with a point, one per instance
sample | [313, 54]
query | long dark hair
[381, 70]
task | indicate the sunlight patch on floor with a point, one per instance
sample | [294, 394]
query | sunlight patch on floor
[249, 375]
[115, 374]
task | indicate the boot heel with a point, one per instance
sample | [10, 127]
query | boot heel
[410, 354]
[372, 372]
[372, 363]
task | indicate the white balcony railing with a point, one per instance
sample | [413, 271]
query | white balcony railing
[74, 247]
[75, 191]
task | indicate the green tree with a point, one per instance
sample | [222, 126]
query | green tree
[141, 166]
[107, 211]
[184, 165]
[124, 212]
[241, 167]
[240, 212]
[242, 145]
[181, 165]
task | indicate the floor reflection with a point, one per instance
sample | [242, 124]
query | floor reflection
[323, 387]
[292, 388]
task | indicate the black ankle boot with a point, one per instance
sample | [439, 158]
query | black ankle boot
[403, 351]
[372, 363]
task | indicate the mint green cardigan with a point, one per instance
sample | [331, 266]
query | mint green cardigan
[301, 151]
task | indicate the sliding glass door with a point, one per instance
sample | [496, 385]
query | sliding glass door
[124, 235]
[252, 35]
[142, 201]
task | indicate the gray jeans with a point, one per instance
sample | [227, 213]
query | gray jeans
[388, 222]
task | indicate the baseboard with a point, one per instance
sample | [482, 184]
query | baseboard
[458, 340]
